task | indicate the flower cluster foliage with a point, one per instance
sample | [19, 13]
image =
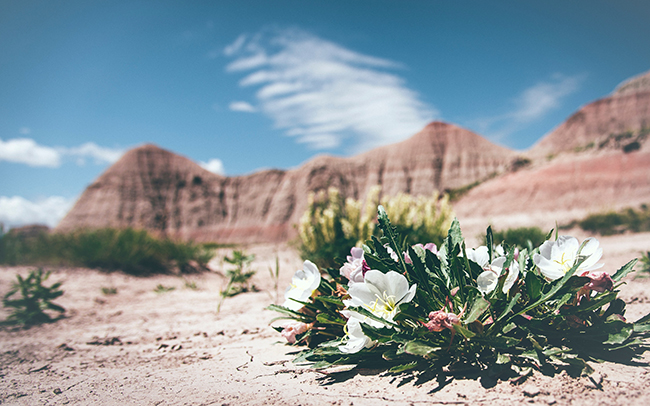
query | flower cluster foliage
[405, 307]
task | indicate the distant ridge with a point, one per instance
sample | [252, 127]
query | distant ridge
[158, 190]
[592, 127]
[597, 159]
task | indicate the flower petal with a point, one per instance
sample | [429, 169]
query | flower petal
[487, 282]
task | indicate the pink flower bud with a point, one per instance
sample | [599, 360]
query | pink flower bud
[600, 281]
[440, 320]
[292, 329]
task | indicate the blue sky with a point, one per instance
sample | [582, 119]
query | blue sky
[246, 85]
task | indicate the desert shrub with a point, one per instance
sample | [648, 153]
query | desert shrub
[133, 251]
[523, 237]
[35, 300]
[331, 226]
[612, 222]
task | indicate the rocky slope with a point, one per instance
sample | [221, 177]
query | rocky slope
[620, 121]
[597, 160]
[155, 189]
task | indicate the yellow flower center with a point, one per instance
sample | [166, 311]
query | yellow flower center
[565, 263]
[384, 307]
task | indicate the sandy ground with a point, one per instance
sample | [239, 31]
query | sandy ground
[173, 348]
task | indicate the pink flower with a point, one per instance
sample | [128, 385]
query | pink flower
[600, 281]
[430, 246]
[356, 267]
[440, 320]
[292, 329]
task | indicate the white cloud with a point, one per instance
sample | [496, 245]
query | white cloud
[214, 165]
[322, 93]
[17, 211]
[242, 106]
[27, 151]
[531, 105]
[101, 155]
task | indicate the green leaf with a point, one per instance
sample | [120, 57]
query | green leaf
[382, 335]
[479, 306]
[511, 304]
[625, 269]
[291, 313]
[421, 349]
[463, 331]
[403, 367]
[330, 299]
[489, 241]
[326, 318]
[390, 355]
[533, 286]
[364, 312]
[617, 331]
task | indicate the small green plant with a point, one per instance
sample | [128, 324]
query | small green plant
[109, 291]
[239, 276]
[160, 288]
[36, 299]
[189, 284]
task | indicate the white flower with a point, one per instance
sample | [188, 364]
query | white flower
[489, 279]
[556, 258]
[356, 339]
[479, 255]
[392, 253]
[304, 282]
[381, 293]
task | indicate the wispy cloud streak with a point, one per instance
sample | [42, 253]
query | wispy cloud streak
[322, 93]
[533, 104]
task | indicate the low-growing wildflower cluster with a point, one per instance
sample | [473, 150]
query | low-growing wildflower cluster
[450, 308]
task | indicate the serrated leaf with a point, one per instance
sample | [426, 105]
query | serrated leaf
[326, 318]
[330, 299]
[624, 270]
[403, 367]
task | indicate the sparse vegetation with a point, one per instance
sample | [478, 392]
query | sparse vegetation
[520, 163]
[109, 291]
[239, 277]
[189, 284]
[133, 251]
[331, 225]
[457, 193]
[30, 309]
[160, 288]
[523, 237]
[615, 222]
